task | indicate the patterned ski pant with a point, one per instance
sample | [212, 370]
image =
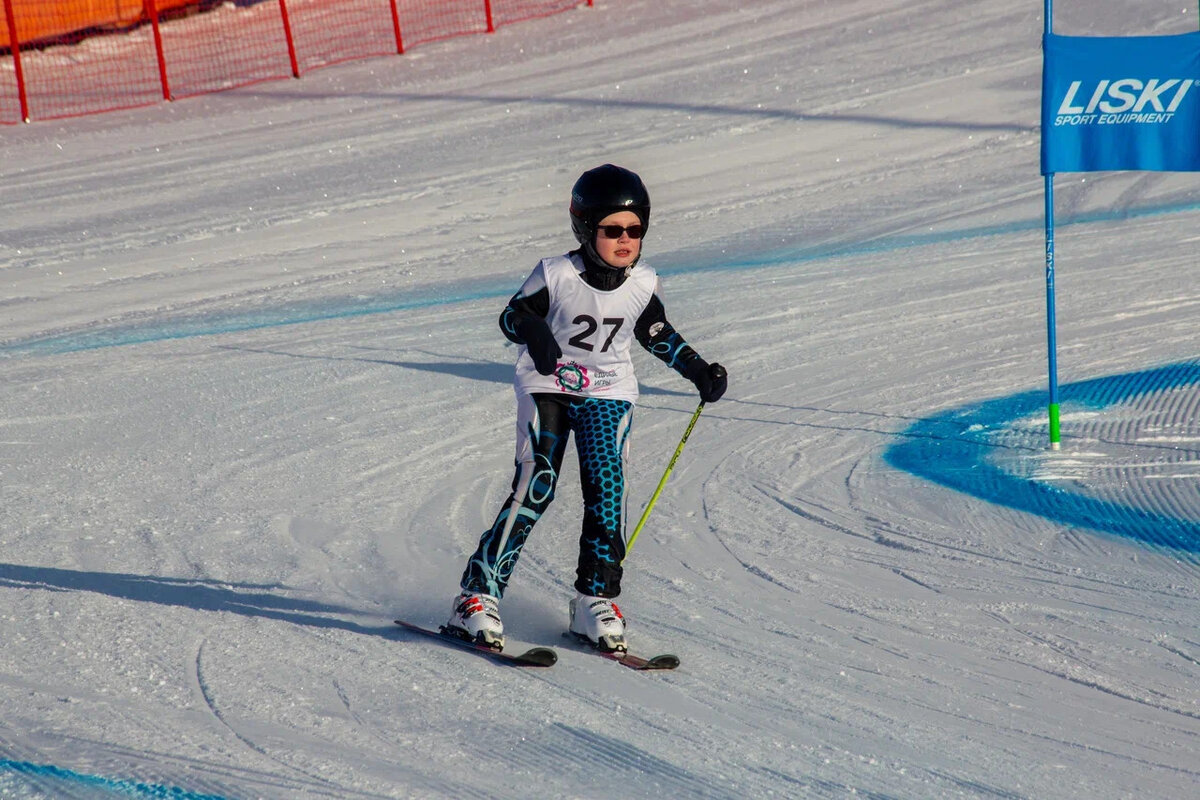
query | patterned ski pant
[544, 423]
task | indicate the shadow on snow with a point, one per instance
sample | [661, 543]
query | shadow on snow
[251, 600]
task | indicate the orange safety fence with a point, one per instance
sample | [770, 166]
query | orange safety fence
[38, 20]
[75, 57]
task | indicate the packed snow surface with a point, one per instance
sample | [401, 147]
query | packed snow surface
[254, 404]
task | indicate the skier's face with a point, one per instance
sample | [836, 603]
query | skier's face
[623, 250]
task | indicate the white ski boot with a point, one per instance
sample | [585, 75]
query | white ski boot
[476, 618]
[599, 622]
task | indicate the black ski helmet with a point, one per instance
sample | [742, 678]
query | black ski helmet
[602, 191]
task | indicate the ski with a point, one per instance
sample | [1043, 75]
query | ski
[533, 657]
[664, 661]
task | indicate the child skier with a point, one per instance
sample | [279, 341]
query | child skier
[575, 318]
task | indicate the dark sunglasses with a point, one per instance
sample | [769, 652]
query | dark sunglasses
[615, 231]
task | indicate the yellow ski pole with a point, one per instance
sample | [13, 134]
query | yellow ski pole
[663, 482]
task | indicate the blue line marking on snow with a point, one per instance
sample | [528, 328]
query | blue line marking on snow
[893, 244]
[47, 776]
[966, 449]
[234, 322]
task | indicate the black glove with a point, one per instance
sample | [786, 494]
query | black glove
[539, 340]
[711, 379]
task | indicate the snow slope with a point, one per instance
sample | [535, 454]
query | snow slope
[254, 404]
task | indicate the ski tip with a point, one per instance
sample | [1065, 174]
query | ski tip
[538, 657]
[665, 661]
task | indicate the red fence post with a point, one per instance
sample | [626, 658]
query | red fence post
[63, 100]
[287, 33]
[158, 48]
[14, 46]
[396, 28]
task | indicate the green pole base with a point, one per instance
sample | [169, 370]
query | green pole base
[1055, 429]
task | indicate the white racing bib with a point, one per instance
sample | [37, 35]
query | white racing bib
[594, 328]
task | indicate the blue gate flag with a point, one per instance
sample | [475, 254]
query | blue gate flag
[1120, 103]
